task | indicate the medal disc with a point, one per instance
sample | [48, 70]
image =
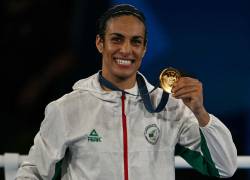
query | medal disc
[168, 77]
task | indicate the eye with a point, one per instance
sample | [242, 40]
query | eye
[137, 42]
[116, 39]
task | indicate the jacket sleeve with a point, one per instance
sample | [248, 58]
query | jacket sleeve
[48, 149]
[209, 149]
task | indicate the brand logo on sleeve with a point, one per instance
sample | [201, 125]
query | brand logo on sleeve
[152, 133]
[94, 137]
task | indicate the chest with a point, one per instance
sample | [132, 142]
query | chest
[102, 126]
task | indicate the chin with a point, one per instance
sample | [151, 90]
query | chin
[124, 75]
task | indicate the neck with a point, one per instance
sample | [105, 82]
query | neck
[119, 82]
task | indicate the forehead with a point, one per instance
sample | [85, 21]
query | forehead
[127, 25]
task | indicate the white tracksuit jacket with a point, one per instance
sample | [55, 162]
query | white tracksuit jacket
[97, 135]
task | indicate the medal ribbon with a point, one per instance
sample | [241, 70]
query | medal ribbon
[143, 90]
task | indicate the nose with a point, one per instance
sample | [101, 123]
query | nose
[126, 48]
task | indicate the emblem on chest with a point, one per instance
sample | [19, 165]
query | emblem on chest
[152, 133]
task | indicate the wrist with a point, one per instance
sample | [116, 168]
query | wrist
[202, 116]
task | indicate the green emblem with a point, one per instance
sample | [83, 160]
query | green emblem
[152, 133]
[94, 137]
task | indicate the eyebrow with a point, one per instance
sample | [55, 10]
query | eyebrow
[120, 35]
[116, 34]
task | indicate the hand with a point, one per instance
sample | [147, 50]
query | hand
[191, 92]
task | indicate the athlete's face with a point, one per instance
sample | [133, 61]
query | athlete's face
[122, 48]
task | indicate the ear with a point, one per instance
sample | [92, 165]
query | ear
[99, 43]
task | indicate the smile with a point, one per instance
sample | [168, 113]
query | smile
[124, 61]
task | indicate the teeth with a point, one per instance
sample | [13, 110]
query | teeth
[123, 61]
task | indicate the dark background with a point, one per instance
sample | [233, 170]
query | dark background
[47, 45]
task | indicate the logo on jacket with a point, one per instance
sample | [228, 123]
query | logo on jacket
[94, 137]
[152, 133]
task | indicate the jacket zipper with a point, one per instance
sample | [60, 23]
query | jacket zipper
[125, 139]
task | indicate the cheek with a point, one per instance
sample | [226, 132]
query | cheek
[139, 56]
[111, 47]
[107, 53]
[140, 52]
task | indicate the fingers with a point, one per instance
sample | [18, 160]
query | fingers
[187, 87]
[189, 90]
[185, 92]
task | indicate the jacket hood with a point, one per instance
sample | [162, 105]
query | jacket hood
[92, 85]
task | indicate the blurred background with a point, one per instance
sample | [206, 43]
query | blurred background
[47, 45]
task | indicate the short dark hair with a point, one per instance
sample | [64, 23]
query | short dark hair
[120, 10]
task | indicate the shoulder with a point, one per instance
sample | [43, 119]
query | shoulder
[81, 89]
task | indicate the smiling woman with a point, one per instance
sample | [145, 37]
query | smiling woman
[100, 134]
[122, 49]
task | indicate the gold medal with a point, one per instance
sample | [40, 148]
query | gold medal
[168, 77]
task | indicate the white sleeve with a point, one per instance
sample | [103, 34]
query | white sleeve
[221, 146]
[49, 147]
[209, 149]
